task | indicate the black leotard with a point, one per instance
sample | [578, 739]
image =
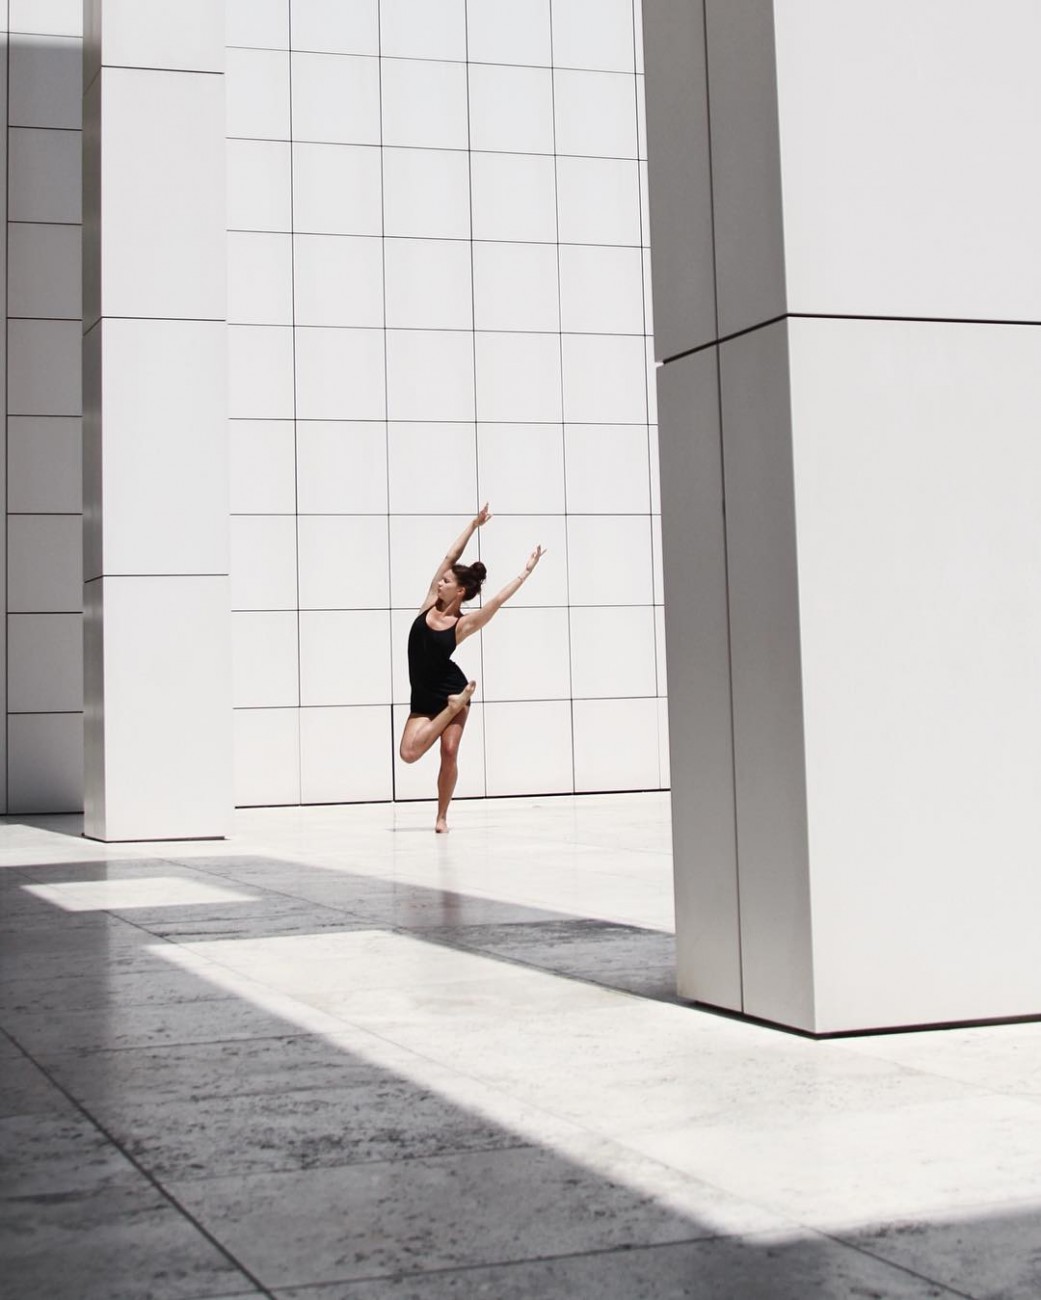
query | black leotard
[432, 673]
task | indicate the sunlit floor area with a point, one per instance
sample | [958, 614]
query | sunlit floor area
[337, 1057]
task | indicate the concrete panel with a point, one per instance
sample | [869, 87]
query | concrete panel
[680, 177]
[767, 677]
[917, 478]
[694, 555]
[746, 173]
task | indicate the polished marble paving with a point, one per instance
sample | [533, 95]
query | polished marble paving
[336, 1057]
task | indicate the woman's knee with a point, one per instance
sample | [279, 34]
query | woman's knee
[408, 752]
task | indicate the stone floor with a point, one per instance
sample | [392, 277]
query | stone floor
[339, 1058]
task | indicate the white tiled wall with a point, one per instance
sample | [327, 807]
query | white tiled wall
[439, 295]
[40, 102]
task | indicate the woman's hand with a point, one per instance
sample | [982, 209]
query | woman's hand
[534, 558]
[482, 516]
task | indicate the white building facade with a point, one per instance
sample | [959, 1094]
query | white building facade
[434, 247]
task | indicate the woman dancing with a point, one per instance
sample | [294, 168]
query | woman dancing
[440, 692]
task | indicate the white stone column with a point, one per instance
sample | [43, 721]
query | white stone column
[844, 207]
[157, 659]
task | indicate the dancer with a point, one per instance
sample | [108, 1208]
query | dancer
[440, 692]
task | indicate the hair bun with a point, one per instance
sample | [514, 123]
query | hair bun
[478, 570]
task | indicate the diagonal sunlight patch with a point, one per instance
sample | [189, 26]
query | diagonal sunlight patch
[123, 895]
[429, 1014]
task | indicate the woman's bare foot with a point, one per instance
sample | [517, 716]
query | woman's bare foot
[441, 826]
[461, 700]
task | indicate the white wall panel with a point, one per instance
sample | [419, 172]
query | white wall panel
[45, 82]
[341, 467]
[508, 541]
[426, 193]
[595, 113]
[260, 372]
[337, 280]
[526, 654]
[164, 393]
[45, 762]
[612, 652]
[930, 209]
[520, 467]
[418, 544]
[265, 671]
[430, 375]
[263, 562]
[343, 561]
[162, 156]
[44, 175]
[260, 185]
[604, 378]
[336, 99]
[260, 278]
[44, 465]
[257, 89]
[336, 189]
[44, 271]
[339, 374]
[515, 287]
[432, 465]
[267, 756]
[332, 25]
[517, 33]
[46, 17]
[44, 563]
[345, 755]
[424, 104]
[514, 197]
[607, 469]
[593, 34]
[616, 744]
[262, 460]
[511, 109]
[609, 560]
[601, 290]
[44, 367]
[44, 663]
[599, 201]
[919, 650]
[423, 29]
[156, 34]
[528, 747]
[263, 23]
[428, 284]
[518, 377]
[345, 657]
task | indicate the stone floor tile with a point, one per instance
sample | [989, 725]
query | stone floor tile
[718, 1269]
[129, 1244]
[50, 1153]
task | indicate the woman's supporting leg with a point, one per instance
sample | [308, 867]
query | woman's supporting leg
[449, 773]
[420, 732]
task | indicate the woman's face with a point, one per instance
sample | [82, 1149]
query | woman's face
[448, 588]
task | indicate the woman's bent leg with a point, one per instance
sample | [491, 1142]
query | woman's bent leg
[449, 772]
[421, 732]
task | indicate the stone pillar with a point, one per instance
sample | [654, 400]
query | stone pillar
[847, 294]
[157, 667]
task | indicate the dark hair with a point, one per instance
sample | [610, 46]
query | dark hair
[470, 577]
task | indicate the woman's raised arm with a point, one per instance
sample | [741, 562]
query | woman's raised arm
[473, 622]
[454, 552]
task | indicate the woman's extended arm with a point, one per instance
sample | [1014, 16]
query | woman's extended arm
[470, 623]
[455, 551]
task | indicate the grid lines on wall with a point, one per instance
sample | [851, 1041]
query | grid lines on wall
[438, 295]
[43, 673]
